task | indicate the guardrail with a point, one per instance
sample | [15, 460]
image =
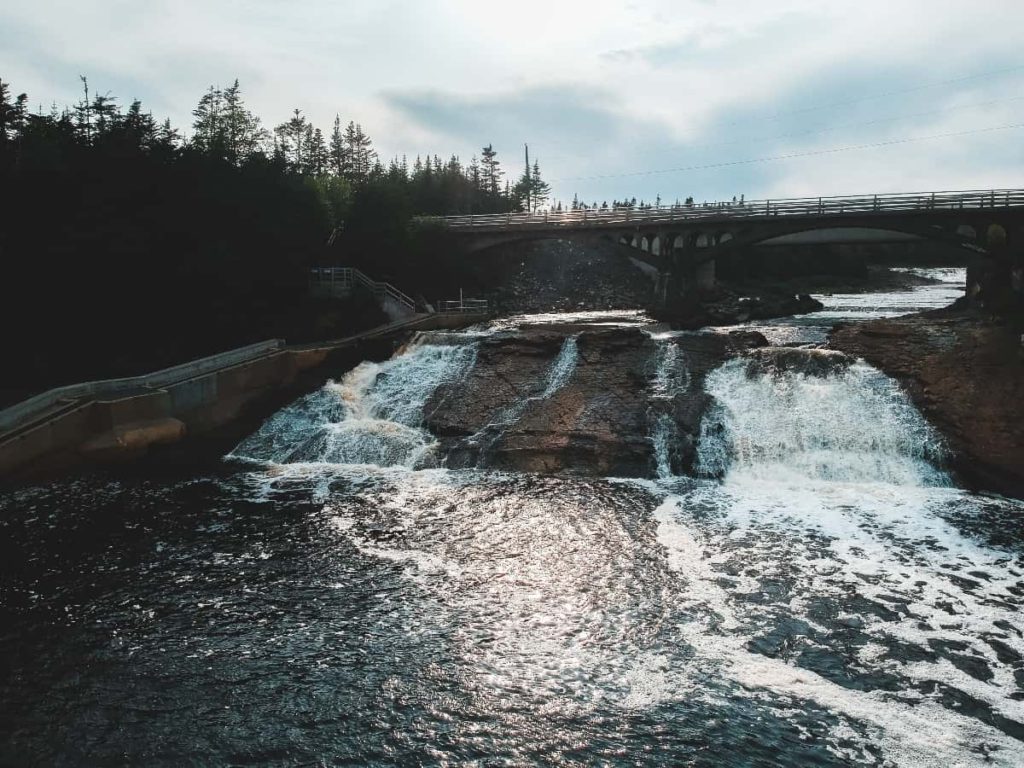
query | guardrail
[62, 396]
[347, 278]
[463, 305]
[802, 206]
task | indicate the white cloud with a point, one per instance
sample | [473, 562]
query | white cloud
[671, 78]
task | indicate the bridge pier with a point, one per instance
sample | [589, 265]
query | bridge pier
[704, 275]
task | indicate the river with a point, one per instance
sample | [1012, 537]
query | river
[330, 595]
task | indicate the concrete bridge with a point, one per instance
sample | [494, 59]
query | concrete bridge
[684, 241]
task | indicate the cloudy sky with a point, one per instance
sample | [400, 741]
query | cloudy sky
[616, 99]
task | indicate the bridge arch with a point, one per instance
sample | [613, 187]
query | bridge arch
[968, 232]
[799, 233]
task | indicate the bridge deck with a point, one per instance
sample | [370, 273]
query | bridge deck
[970, 200]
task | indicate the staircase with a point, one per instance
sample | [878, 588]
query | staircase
[342, 281]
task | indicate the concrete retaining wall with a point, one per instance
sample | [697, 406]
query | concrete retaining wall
[124, 426]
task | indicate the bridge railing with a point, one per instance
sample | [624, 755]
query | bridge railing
[801, 206]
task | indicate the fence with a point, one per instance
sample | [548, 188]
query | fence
[463, 305]
[803, 206]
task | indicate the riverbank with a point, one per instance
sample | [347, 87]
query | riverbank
[966, 374]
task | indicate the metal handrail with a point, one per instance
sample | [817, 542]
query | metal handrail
[348, 277]
[801, 206]
[464, 305]
[26, 409]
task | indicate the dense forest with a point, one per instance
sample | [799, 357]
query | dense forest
[128, 245]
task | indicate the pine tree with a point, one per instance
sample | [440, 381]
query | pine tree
[83, 113]
[105, 114]
[12, 114]
[138, 128]
[241, 132]
[539, 189]
[336, 150]
[360, 152]
[291, 141]
[167, 138]
[490, 171]
[207, 128]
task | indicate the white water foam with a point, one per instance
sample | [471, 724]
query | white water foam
[372, 416]
[852, 425]
[910, 728]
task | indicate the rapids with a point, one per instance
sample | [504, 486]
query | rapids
[819, 593]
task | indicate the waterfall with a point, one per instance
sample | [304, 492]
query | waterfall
[672, 374]
[558, 375]
[662, 433]
[562, 369]
[372, 416]
[821, 421]
[671, 378]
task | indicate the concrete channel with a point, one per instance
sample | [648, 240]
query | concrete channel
[102, 422]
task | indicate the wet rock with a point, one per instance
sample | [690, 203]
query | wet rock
[598, 421]
[966, 374]
[810, 362]
[560, 275]
[727, 306]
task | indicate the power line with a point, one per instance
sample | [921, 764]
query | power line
[847, 126]
[794, 155]
[886, 94]
[860, 99]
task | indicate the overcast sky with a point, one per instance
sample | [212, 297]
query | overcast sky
[611, 96]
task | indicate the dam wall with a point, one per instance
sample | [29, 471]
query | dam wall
[122, 419]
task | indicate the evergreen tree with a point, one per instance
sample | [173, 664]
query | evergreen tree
[316, 160]
[12, 114]
[242, 134]
[291, 141]
[83, 112]
[490, 171]
[360, 152]
[539, 189]
[338, 155]
[207, 127]
[105, 114]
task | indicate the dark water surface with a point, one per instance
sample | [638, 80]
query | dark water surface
[832, 602]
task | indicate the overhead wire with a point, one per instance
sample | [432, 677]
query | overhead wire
[794, 155]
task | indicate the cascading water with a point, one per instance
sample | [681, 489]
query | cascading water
[845, 422]
[671, 377]
[562, 369]
[558, 375]
[672, 374]
[372, 416]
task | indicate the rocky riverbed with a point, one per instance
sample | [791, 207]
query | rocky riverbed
[582, 403]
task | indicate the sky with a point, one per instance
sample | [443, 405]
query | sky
[669, 98]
